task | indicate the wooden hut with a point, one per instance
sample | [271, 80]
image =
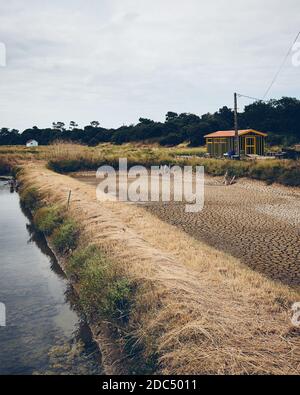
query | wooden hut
[251, 142]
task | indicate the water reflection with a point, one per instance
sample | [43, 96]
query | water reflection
[40, 241]
[46, 332]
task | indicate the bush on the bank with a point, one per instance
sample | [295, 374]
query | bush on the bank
[290, 177]
[103, 292]
[103, 289]
[78, 261]
[118, 299]
[65, 237]
[47, 219]
[30, 198]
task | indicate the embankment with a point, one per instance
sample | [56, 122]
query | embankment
[194, 310]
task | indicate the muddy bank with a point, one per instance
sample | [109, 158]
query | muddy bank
[101, 331]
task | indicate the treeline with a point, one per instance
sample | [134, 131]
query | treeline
[279, 118]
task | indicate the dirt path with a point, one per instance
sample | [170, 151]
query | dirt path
[256, 223]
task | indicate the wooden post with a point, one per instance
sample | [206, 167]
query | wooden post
[69, 199]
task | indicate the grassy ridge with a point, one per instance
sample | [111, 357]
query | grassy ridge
[105, 292]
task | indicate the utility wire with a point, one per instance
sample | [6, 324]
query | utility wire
[249, 97]
[281, 66]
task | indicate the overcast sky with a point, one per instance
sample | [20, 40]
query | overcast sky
[117, 60]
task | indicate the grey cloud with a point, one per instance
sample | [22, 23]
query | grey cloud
[116, 60]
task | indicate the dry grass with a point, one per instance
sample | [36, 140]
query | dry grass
[198, 310]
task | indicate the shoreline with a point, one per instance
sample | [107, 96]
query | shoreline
[110, 356]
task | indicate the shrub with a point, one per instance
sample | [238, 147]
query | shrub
[61, 166]
[118, 299]
[103, 290]
[73, 165]
[47, 219]
[93, 284]
[290, 177]
[65, 237]
[102, 293]
[80, 259]
[30, 198]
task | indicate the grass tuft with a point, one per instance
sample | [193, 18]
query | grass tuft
[65, 237]
[47, 219]
[80, 258]
[103, 289]
[30, 198]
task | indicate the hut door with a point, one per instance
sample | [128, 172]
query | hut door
[250, 145]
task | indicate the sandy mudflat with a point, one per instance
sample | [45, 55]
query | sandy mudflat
[257, 223]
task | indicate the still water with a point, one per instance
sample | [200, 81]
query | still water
[45, 332]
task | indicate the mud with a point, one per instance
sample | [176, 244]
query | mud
[255, 222]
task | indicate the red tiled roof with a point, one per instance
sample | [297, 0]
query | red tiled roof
[231, 133]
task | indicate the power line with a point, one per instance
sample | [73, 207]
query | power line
[281, 66]
[249, 97]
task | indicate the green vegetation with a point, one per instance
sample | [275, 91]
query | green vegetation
[47, 219]
[103, 289]
[65, 237]
[118, 298]
[72, 165]
[29, 197]
[80, 258]
[64, 232]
